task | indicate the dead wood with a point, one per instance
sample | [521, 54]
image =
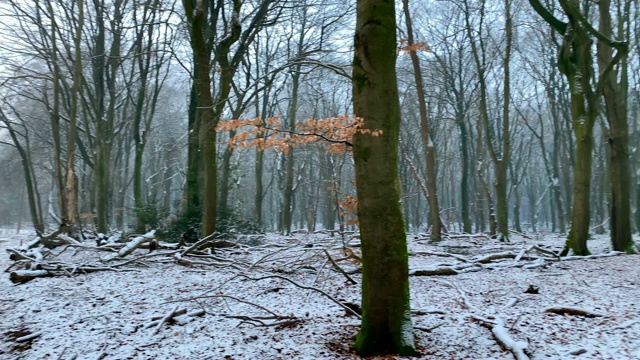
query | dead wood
[348, 309]
[259, 320]
[442, 254]
[131, 246]
[164, 319]
[23, 276]
[502, 336]
[443, 271]
[563, 310]
[338, 268]
[200, 243]
[491, 257]
[179, 316]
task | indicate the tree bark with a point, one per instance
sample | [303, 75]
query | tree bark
[386, 315]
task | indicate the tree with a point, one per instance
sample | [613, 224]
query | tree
[71, 185]
[499, 156]
[386, 317]
[615, 98]
[425, 132]
[203, 23]
[575, 61]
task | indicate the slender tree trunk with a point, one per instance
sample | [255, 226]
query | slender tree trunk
[386, 315]
[288, 193]
[427, 141]
[259, 196]
[55, 118]
[192, 194]
[465, 203]
[225, 177]
[71, 181]
[615, 97]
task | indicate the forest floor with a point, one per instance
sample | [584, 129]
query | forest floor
[108, 314]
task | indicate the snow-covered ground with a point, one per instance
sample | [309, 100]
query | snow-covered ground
[102, 315]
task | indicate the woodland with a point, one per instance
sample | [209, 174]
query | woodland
[209, 179]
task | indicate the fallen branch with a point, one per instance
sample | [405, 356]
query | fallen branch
[131, 246]
[156, 320]
[501, 334]
[166, 318]
[200, 243]
[437, 253]
[348, 309]
[563, 310]
[338, 268]
[281, 320]
[29, 337]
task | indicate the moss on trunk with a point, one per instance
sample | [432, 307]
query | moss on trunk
[386, 322]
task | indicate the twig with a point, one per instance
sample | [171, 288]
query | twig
[348, 309]
[425, 329]
[165, 319]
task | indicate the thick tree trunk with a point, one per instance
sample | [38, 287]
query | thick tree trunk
[386, 315]
[579, 232]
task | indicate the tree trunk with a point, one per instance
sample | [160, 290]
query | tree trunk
[259, 196]
[579, 232]
[465, 204]
[615, 95]
[425, 132]
[71, 180]
[192, 194]
[386, 315]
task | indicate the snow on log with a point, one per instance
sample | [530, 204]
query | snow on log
[562, 310]
[28, 245]
[501, 334]
[22, 276]
[437, 253]
[166, 318]
[29, 337]
[491, 257]
[131, 246]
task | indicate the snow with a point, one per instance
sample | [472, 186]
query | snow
[104, 314]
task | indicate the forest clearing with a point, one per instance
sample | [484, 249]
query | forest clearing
[300, 308]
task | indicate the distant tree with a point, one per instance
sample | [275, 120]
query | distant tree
[425, 131]
[575, 61]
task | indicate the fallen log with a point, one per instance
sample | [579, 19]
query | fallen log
[131, 246]
[22, 276]
[443, 271]
[565, 310]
